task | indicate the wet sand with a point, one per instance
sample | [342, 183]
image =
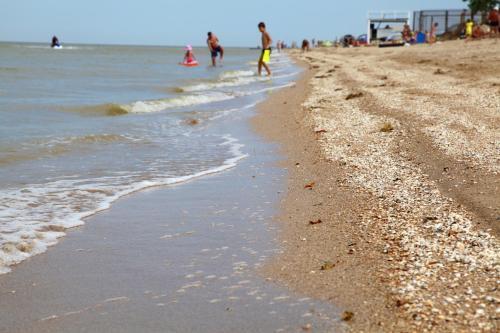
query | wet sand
[174, 259]
[392, 205]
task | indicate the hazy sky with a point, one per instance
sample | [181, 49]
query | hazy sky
[175, 22]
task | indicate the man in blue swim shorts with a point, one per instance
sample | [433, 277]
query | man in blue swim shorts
[215, 48]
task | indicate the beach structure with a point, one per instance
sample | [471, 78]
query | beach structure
[384, 24]
[450, 20]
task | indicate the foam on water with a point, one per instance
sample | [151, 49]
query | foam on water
[232, 80]
[152, 106]
[33, 218]
[183, 101]
[236, 74]
[48, 47]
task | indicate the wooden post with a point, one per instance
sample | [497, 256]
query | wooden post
[446, 18]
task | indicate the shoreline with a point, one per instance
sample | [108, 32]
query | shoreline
[178, 258]
[347, 235]
[309, 247]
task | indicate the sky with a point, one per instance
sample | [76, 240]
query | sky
[179, 22]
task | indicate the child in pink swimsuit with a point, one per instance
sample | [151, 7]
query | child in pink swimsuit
[189, 58]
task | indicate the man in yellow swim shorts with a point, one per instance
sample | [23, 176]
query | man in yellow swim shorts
[265, 57]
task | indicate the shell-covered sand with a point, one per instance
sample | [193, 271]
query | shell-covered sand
[410, 136]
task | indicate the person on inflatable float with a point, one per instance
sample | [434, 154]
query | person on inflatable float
[189, 58]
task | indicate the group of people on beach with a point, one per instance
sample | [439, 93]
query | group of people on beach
[467, 29]
[216, 50]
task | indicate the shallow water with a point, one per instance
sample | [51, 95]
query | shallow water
[176, 259]
[85, 125]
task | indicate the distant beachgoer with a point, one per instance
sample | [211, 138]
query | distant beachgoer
[313, 43]
[305, 45]
[469, 28]
[493, 19]
[265, 57]
[407, 34]
[462, 16]
[189, 58]
[477, 32]
[55, 42]
[278, 46]
[433, 33]
[461, 26]
[215, 48]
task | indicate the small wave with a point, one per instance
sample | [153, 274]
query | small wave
[33, 218]
[48, 47]
[260, 91]
[152, 105]
[216, 114]
[89, 139]
[103, 109]
[236, 74]
[182, 101]
[233, 82]
[13, 156]
[9, 69]
[46, 148]
[240, 81]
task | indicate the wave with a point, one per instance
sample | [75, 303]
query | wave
[236, 74]
[222, 113]
[287, 85]
[33, 218]
[10, 69]
[109, 109]
[52, 147]
[188, 100]
[232, 81]
[219, 84]
[48, 47]
[88, 139]
[182, 101]
[153, 105]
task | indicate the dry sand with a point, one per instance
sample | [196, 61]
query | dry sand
[392, 210]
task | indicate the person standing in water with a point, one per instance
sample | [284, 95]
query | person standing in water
[265, 57]
[55, 42]
[215, 48]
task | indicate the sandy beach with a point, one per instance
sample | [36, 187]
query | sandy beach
[392, 205]
[369, 203]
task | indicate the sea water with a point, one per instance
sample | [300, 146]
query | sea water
[85, 125]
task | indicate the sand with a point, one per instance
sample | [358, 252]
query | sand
[392, 209]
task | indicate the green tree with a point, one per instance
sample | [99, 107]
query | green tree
[477, 6]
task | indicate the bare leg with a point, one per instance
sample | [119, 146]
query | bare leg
[214, 61]
[267, 68]
[260, 66]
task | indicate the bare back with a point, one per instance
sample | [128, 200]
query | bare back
[266, 40]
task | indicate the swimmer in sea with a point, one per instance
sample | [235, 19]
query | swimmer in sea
[55, 42]
[215, 48]
[265, 57]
